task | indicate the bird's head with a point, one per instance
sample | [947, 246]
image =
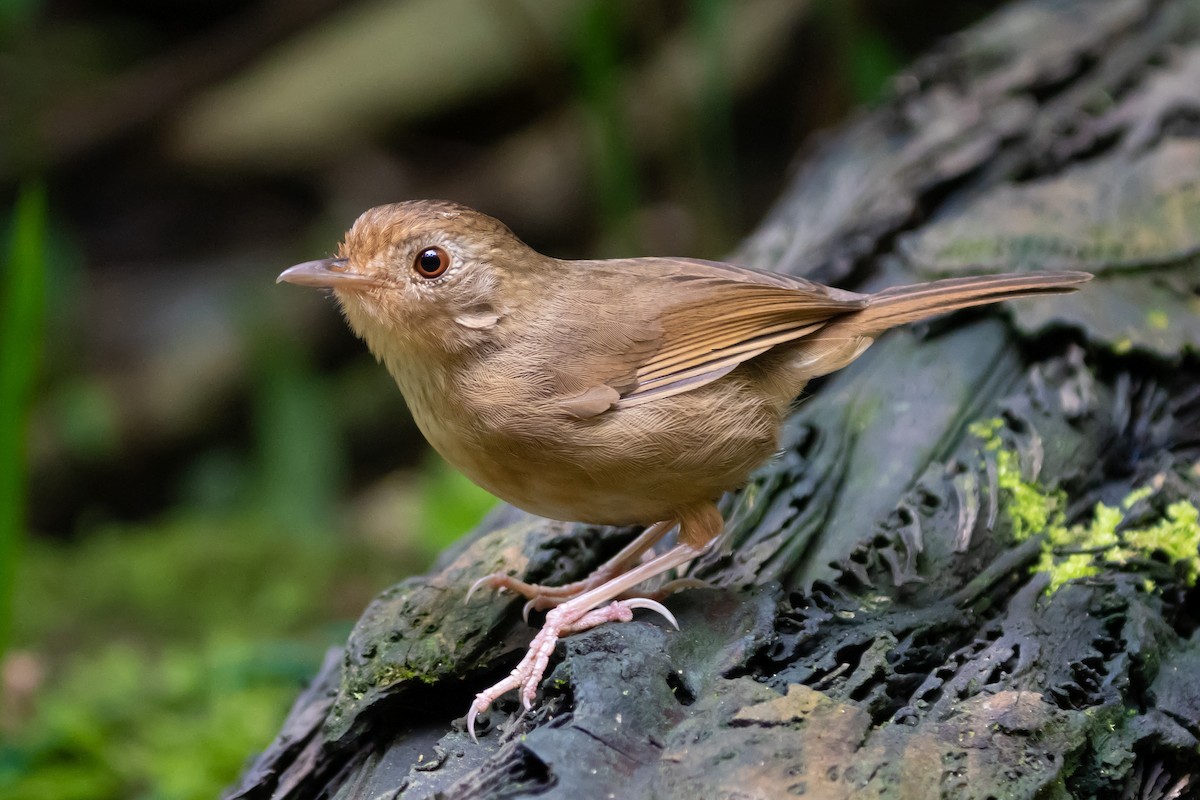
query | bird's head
[424, 277]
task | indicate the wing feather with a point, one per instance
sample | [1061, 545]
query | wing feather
[712, 318]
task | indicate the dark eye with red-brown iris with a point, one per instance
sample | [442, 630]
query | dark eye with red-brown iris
[431, 262]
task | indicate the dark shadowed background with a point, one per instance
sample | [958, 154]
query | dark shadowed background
[203, 476]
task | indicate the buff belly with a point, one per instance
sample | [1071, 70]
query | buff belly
[625, 466]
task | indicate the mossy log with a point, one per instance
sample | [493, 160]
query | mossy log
[972, 570]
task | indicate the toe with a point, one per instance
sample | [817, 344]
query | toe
[488, 579]
[471, 715]
[651, 605]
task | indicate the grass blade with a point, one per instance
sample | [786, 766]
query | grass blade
[22, 308]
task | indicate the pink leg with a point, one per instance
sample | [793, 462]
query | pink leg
[543, 597]
[578, 614]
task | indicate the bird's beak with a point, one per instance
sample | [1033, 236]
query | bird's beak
[326, 273]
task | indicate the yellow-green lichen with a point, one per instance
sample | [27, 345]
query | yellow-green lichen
[989, 431]
[1100, 533]
[1177, 535]
[1094, 538]
[1136, 496]
[1030, 509]
[1061, 570]
[1158, 320]
[1080, 551]
[392, 674]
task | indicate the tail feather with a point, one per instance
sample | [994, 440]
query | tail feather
[846, 337]
[902, 304]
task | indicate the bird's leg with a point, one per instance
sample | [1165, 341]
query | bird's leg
[699, 527]
[543, 597]
[574, 616]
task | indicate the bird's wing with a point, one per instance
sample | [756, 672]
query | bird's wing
[710, 317]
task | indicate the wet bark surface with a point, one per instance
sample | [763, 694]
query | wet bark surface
[971, 572]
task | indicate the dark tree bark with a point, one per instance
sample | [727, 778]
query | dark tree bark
[921, 596]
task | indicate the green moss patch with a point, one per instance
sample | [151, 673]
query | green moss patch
[1084, 550]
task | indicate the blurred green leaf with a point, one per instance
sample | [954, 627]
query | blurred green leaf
[451, 504]
[22, 308]
[597, 63]
[714, 163]
[300, 450]
[15, 14]
[866, 56]
[872, 61]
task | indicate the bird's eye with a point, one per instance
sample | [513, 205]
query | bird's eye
[431, 262]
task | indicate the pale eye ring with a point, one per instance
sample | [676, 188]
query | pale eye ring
[432, 262]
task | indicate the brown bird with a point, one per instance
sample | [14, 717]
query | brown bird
[616, 392]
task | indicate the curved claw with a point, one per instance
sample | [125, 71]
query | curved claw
[475, 586]
[651, 605]
[471, 723]
[483, 701]
[499, 581]
[526, 609]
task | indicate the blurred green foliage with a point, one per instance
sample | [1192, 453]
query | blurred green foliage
[300, 454]
[599, 73]
[866, 56]
[86, 414]
[16, 13]
[22, 308]
[171, 652]
[175, 725]
[714, 158]
[450, 504]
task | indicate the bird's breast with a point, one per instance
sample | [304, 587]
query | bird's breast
[624, 466]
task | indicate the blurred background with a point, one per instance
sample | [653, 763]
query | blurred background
[203, 476]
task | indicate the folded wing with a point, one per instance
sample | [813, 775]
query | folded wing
[710, 318]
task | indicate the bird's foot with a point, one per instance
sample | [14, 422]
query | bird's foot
[567, 618]
[503, 582]
[586, 611]
[543, 597]
[539, 597]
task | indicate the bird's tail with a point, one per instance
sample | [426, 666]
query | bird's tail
[901, 304]
[846, 337]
